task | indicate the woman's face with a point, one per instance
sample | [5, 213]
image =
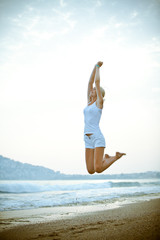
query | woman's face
[93, 93]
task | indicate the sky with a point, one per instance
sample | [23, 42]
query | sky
[48, 49]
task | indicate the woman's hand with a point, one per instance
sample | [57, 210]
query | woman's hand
[99, 63]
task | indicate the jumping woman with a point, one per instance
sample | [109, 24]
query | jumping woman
[96, 161]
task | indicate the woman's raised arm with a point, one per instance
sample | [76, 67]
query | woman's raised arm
[98, 89]
[91, 81]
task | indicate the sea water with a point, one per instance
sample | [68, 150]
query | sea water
[18, 195]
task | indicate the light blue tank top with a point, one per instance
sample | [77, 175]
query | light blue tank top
[92, 116]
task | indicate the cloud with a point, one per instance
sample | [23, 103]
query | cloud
[34, 26]
[98, 3]
[154, 45]
[16, 47]
[134, 14]
[156, 90]
[65, 17]
[62, 3]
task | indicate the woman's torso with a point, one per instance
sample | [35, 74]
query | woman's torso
[92, 116]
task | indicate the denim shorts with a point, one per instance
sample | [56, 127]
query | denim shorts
[94, 140]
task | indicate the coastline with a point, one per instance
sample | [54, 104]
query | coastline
[131, 221]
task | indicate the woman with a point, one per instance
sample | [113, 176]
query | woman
[96, 161]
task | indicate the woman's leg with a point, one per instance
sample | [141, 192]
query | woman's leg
[90, 160]
[102, 163]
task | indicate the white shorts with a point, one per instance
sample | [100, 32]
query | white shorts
[94, 140]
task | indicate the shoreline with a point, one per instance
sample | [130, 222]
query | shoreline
[16, 217]
[131, 221]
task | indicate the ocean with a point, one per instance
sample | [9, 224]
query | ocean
[20, 195]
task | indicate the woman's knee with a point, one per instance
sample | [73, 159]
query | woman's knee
[98, 168]
[91, 171]
[90, 160]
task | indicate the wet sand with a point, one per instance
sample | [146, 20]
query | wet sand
[134, 221]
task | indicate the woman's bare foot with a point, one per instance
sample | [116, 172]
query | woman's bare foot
[107, 156]
[119, 155]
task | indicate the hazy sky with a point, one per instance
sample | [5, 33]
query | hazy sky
[47, 51]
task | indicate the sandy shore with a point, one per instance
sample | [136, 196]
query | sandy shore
[133, 221]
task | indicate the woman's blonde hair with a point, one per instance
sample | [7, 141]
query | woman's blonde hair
[102, 92]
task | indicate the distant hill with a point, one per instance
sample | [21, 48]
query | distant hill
[14, 170]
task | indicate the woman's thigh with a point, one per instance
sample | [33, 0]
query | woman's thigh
[89, 154]
[98, 157]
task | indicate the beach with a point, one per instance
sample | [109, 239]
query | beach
[131, 221]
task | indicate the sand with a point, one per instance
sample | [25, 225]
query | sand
[134, 221]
